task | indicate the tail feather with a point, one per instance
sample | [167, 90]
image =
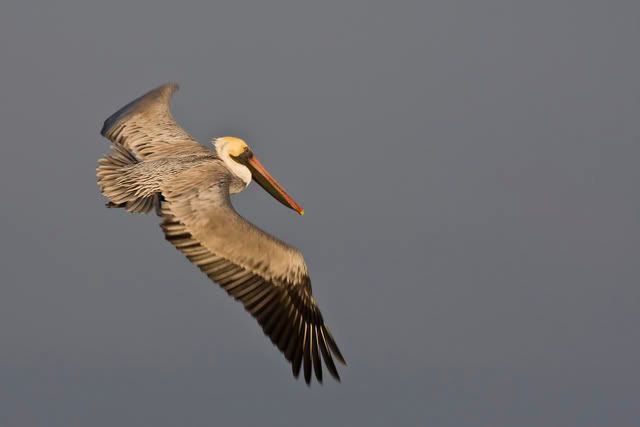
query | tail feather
[118, 183]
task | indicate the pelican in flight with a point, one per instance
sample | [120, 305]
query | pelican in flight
[156, 165]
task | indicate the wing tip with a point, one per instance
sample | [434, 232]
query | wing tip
[164, 91]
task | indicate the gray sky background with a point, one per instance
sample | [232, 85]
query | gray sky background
[470, 174]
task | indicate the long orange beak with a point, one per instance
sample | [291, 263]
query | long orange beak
[269, 183]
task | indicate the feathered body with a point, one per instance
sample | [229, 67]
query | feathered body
[155, 164]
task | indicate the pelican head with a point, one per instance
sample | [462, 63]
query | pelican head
[239, 158]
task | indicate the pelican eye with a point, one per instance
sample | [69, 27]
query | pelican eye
[244, 156]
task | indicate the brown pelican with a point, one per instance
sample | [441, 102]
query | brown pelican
[155, 163]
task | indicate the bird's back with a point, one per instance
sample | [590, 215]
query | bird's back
[136, 185]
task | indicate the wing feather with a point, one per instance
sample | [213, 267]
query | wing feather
[267, 276]
[146, 127]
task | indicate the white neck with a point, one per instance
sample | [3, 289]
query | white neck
[241, 171]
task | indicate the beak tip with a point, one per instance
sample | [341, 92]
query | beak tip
[301, 212]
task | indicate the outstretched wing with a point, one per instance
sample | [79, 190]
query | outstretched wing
[268, 276]
[146, 127]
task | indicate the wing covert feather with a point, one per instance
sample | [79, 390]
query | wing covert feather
[146, 127]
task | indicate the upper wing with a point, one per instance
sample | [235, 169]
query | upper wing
[268, 276]
[146, 127]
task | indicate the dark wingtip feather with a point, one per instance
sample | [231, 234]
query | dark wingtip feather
[307, 353]
[296, 363]
[332, 345]
[317, 364]
[290, 353]
[326, 356]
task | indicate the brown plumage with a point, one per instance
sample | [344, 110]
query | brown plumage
[155, 164]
